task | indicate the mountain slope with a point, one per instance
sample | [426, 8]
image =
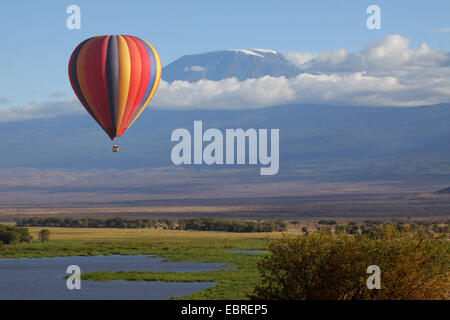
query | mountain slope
[240, 63]
[444, 191]
[339, 142]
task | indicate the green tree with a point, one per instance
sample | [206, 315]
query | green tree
[24, 235]
[13, 235]
[9, 237]
[44, 235]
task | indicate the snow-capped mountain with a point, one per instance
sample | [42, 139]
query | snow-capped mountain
[240, 63]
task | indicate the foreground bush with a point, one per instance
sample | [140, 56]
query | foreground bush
[333, 266]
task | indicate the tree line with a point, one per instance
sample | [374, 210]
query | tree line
[197, 224]
[86, 222]
[210, 224]
[374, 228]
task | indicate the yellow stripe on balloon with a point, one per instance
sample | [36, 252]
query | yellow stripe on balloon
[81, 75]
[124, 79]
[155, 86]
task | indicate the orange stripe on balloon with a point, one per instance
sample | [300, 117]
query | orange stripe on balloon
[124, 79]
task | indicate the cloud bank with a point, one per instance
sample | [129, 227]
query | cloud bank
[385, 73]
[41, 110]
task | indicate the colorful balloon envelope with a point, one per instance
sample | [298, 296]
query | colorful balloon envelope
[115, 77]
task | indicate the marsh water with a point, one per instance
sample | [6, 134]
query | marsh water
[43, 278]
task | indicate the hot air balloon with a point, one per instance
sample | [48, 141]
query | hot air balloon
[115, 77]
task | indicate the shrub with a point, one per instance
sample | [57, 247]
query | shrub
[327, 222]
[333, 266]
[13, 235]
[44, 235]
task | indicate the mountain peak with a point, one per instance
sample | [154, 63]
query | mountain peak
[238, 63]
[255, 52]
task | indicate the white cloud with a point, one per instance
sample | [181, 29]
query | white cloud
[224, 94]
[195, 68]
[392, 53]
[299, 58]
[3, 100]
[41, 110]
[385, 73]
[340, 89]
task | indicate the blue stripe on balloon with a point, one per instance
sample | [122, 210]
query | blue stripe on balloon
[112, 76]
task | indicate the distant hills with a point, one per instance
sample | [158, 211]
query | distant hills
[321, 142]
[329, 142]
[239, 63]
[444, 191]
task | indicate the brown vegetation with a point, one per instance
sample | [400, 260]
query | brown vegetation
[333, 266]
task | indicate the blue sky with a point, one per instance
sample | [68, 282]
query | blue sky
[36, 44]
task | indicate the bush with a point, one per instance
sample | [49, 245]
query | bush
[327, 222]
[13, 235]
[333, 266]
[44, 235]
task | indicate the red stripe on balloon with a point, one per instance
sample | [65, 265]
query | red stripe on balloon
[96, 81]
[75, 83]
[145, 76]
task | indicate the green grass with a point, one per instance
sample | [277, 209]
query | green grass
[173, 245]
[232, 284]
